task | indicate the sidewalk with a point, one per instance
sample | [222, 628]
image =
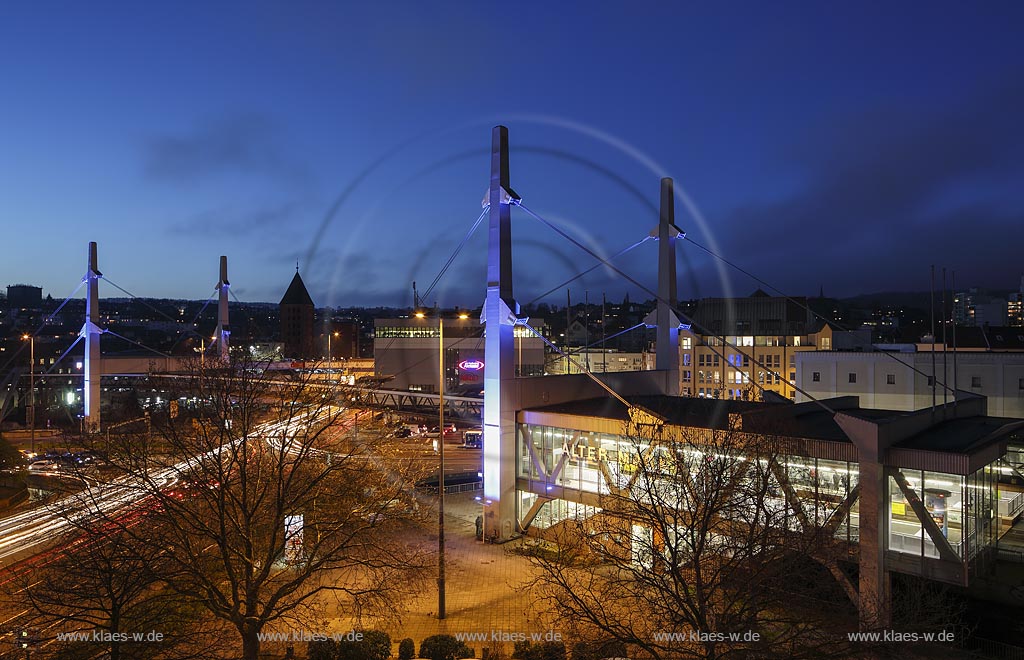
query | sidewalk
[485, 586]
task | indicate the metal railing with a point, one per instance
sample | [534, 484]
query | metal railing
[456, 488]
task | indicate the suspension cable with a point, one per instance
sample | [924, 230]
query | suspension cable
[447, 264]
[141, 300]
[589, 270]
[579, 366]
[606, 339]
[42, 325]
[62, 356]
[130, 341]
[458, 249]
[189, 328]
[643, 288]
[806, 307]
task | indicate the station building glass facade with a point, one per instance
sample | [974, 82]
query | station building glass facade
[594, 463]
[568, 464]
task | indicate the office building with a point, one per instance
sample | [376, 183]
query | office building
[405, 352]
[738, 348]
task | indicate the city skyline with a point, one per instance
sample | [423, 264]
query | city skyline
[821, 150]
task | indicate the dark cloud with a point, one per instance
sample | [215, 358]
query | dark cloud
[254, 223]
[907, 186]
[243, 144]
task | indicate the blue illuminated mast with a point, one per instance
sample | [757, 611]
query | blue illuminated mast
[499, 317]
[91, 332]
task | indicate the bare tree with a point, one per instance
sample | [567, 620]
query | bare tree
[690, 553]
[263, 500]
[103, 585]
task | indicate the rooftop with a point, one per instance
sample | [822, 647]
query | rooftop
[806, 420]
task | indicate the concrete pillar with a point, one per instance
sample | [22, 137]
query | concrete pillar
[874, 588]
[875, 606]
[91, 332]
[499, 352]
[223, 327]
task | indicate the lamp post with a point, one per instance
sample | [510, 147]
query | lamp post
[440, 478]
[31, 387]
[330, 356]
[202, 352]
[440, 472]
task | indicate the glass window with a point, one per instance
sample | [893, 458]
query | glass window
[853, 377]
[904, 527]
[890, 379]
[975, 381]
[816, 376]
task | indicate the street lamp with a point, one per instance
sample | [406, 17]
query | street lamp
[440, 471]
[31, 387]
[440, 478]
[202, 351]
[330, 355]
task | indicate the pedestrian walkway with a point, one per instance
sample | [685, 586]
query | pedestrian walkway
[486, 586]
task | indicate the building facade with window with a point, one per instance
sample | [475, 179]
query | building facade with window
[738, 348]
[406, 350]
[904, 380]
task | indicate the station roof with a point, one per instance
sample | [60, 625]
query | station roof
[963, 435]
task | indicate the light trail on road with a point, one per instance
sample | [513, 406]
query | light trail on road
[25, 530]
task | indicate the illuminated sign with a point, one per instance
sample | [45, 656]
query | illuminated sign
[471, 365]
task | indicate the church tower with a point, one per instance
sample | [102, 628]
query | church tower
[297, 320]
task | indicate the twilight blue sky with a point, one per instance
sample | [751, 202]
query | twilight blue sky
[846, 146]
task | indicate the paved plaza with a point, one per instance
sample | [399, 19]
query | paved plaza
[486, 585]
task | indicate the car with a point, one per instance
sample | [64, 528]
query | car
[449, 431]
[403, 432]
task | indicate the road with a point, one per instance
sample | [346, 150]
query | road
[29, 530]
